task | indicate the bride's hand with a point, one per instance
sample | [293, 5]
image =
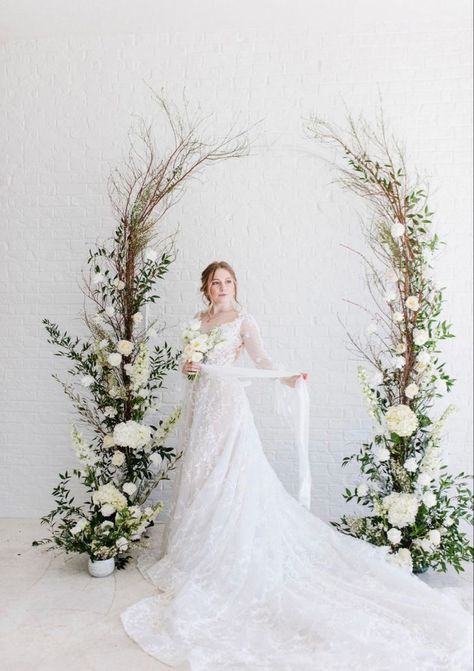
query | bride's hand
[189, 368]
[291, 381]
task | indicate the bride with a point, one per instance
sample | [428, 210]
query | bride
[249, 579]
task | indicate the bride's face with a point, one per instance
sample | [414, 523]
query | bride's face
[222, 287]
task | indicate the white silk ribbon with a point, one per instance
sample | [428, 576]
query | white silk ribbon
[299, 415]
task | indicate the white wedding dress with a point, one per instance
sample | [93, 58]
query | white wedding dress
[251, 580]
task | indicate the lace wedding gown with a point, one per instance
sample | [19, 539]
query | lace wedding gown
[251, 580]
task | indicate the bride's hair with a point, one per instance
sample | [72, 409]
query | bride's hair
[207, 276]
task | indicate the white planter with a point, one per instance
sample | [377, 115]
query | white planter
[101, 567]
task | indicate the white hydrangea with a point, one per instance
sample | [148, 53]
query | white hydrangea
[107, 509]
[122, 544]
[401, 508]
[132, 434]
[401, 420]
[109, 494]
[125, 347]
[434, 536]
[403, 559]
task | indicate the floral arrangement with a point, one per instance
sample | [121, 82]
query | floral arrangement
[197, 345]
[418, 508]
[115, 371]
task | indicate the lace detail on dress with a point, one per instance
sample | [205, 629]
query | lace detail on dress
[250, 580]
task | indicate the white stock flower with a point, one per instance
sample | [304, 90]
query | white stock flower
[397, 230]
[132, 434]
[429, 499]
[400, 348]
[125, 347]
[410, 465]
[382, 454]
[398, 317]
[401, 420]
[420, 336]
[394, 535]
[412, 303]
[118, 458]
[401, 508]
[403, 559]
[129, 488]
[362, 490]
[151, 255]
[114, 359]
[411, 390]
[137, 318]
[87, 380]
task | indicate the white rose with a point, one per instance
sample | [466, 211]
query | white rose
[108, 441]
[411, 390]
[129, 488]
[434, 537]
[125, 347]
[382, 454]
[107, 509]
[403, 559]
[401, 348]
[429, 499]
[118, 458]
[87, 380]
[362, 490]
[114, 359]
[137, 318]
[412, 303]
[151, 255]
[420, 336]
[397, 230]
[394, 535]
[398, 316]
[122, 543]
[410, 465]
[196, 357]
[401, 420]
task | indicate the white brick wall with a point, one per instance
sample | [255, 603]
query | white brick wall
[69, 89]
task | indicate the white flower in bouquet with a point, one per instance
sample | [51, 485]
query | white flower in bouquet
[156, 459]
[412, 303]
[132, 434]
[420, 336]
[434, 536]
[114, 359]
[119, 284]
[401, 508]
[424, 543]
[411, 390]
[108, 493]
[400, 348]
[362, 490]
[431, 462]
[87, 380]
[129, 488]
[397, 230]
[403, 559]
[401, 420]
[83, 450]
[394, 535]
[122, 544]
[139, 372]
[118, 458]
[107, 509]
[198, 345]
[79, 526]
[137, 318]
[151, 255]
[108, 441]
[125, 347]
[382, 454]
[429, 499]
[398, 316]
[98, 278]
[411, 465]
[135, 511]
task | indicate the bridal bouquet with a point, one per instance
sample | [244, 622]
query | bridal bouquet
[197, 345]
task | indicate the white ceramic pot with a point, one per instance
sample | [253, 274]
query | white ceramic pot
[99, 568]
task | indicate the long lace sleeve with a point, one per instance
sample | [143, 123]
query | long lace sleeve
[252, 341]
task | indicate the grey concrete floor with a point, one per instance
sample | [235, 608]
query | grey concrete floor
[55, 617]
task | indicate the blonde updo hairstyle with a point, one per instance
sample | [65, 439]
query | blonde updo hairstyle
[207, 276]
